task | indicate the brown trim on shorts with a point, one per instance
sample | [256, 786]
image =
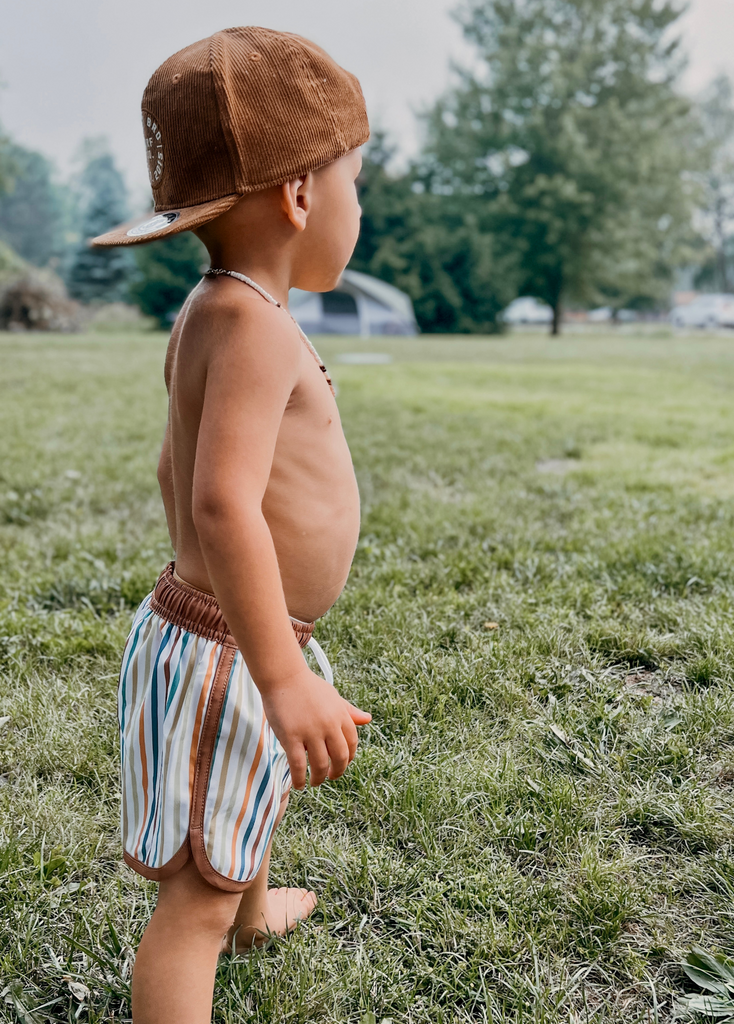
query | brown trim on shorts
[180, 858]
[198, 612]
[204, 758]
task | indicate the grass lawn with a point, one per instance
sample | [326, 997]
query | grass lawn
[539, 822]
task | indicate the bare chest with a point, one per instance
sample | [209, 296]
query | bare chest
[311, 432]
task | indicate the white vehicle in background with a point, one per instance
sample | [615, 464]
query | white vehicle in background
[715, 310]
[606, 315]
[527, 310]
[601, 315]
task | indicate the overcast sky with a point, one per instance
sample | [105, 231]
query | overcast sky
[76, 68]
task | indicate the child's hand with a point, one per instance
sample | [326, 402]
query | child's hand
[310, 718]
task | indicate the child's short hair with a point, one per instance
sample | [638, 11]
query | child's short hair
[241, 111]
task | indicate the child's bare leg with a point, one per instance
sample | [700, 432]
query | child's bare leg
[264, 910]
[173, 979]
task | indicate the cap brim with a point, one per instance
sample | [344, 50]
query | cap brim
[165, 223]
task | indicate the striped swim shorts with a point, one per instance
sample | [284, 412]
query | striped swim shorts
[203, 774]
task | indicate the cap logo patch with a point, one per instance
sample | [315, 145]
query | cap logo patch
[153, 149]
[157, 223]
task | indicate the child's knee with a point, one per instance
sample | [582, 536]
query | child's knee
[187, 902]
[212, 916]
[217, 915]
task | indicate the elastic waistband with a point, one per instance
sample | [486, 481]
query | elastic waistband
[198, 612]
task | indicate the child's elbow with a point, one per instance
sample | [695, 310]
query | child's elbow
[165, 475]
[216, 514]
[209, 512]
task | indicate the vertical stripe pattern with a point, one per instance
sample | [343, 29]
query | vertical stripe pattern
[167, 680]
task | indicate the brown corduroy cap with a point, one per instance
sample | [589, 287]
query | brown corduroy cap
[238, 112]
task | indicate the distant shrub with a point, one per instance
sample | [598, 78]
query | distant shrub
[36, 300]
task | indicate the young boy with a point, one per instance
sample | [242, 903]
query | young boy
[252, 139]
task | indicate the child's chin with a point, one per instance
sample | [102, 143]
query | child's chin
[327, 283]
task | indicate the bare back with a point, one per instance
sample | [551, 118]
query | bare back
[311, 501]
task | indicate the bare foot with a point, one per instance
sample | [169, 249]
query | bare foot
[284, 909]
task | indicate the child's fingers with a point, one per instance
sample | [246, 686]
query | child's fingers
[349, 731]
[318, 762]
[338, 755]
[297, 764]
[357, 716]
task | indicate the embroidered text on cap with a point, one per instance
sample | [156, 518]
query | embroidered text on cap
[153, 148]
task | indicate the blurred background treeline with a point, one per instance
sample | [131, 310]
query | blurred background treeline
[566, 163]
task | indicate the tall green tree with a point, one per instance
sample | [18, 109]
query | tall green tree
[572, 136]
[33, 208]
[167, 270]
[433, 247]
[100, 275]
[717, 179]
[11, 264]
[6, 164]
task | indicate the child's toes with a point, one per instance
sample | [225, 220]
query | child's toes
[301, 902]
[286, 907]
[310, 899]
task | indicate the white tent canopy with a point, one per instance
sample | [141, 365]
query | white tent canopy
[359, 304]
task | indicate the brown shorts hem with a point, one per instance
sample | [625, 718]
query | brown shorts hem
[180, 858]
[207, 872]
[189, 849]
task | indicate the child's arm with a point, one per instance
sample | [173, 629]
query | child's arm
[165, 462]
[253, 361]
[165, 482]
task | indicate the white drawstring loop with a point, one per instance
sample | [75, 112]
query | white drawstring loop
[321, 660]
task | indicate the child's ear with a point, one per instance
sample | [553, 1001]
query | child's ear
[296, 200]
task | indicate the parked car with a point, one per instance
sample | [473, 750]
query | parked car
[714, 310]
[527, 310]
[601, 315]
[606, 315]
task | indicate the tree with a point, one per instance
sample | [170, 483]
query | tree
[6, 164]
[33, 209]
[11, 265]
[167, 271]
[100, 275]
[573, 139]
[717, 178]
[433, 247]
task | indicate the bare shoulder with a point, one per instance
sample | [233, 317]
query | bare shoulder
[227, 320]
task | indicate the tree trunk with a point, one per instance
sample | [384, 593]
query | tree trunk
[720, 232]
[723, 269]
[556, 322]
